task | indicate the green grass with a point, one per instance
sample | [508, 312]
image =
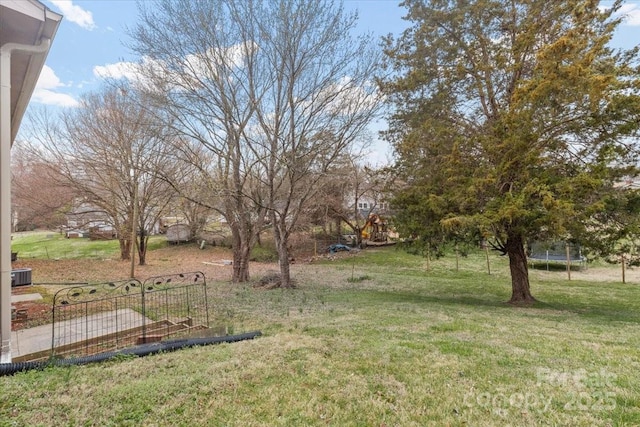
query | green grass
[405, 347]
[264, 253]
[53, 245]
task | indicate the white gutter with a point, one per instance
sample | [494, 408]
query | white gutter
[5, 187]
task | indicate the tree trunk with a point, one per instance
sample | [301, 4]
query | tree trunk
[241, 253]
[358, 233]
[520, 291]
[285, 270]
[142, 247]
[125, 249]
[282, 240]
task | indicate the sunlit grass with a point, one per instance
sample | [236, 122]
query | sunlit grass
[54, 245]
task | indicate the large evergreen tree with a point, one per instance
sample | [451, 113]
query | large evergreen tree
[512, 116]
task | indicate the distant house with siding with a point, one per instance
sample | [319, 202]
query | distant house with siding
[88, 220]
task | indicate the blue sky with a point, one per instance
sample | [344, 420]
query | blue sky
[92, 35]
[93, 32]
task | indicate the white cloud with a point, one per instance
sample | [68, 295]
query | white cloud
[193, 67]
[130, 71]
[206, 64]
[49, 97]
[46, 90]
[118, 70]
[48, 79]
[631, 12]
[76, 14]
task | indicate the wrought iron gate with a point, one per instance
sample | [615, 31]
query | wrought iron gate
[94, 318]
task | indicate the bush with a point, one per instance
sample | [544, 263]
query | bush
[263, 254]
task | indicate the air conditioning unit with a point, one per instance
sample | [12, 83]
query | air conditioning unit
[21, 277]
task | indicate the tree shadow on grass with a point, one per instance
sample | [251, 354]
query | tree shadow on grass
[602, 312]
[390, 296]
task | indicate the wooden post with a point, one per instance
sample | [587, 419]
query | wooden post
[486, 251]
[568, 261]
[623, 269]
[428, 260]
[547, 259]
[353, 269]
[134, 225]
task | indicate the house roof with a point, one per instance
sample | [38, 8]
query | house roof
[25, 22]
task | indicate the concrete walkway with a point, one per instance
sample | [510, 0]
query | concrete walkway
[25, 297]
[39, 338]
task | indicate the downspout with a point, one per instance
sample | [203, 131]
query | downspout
[5, 187]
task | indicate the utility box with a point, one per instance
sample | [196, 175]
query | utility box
[20, 277]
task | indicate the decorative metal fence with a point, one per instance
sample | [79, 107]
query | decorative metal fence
[94, 318]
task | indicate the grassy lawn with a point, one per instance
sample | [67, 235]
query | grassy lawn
[54, 245]
[373, 340]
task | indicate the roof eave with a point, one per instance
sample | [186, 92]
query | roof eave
[48, 23]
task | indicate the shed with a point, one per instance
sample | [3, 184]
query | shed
[177, 233]
[74, 234]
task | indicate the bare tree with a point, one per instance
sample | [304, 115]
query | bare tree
[201, 67]
[110, 151]
[38, 201]
[320, 102]
[275, 91]
[198, 184]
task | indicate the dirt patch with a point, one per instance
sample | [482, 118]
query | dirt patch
[214, 262]
[591, 274]
[272, 280]
[29, 314]
[50, 275]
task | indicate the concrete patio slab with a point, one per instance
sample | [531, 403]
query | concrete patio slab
[40, 338]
